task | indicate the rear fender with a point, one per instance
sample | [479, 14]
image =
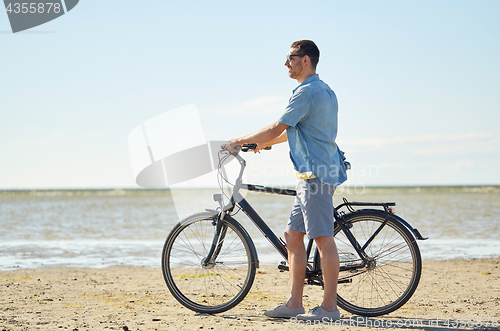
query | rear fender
[414, 231]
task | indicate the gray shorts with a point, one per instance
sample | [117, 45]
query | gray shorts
[312, 211]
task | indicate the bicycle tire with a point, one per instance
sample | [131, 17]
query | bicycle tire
[393, 274]
[208, 290]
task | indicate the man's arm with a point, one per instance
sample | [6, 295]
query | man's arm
[281, 139]
[270, 135]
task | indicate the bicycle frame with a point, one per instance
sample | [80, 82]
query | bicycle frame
[278, 243]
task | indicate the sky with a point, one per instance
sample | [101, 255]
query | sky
[417, 83]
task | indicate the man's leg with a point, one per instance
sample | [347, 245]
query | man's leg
[297, 261]
[330, 266]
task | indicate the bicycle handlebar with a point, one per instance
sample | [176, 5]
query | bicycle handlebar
[246, 147]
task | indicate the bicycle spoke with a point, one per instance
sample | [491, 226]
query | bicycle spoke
[390, 275]
[219, 284]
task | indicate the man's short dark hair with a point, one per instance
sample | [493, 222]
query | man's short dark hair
[309, 48]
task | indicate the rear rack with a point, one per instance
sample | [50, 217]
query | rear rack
[372, 204]
[349, 205]
[388, 210]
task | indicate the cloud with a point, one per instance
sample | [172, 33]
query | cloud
[223, 121]
[400, 165]
[429, 144]
[253, 108]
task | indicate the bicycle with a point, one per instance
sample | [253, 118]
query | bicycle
[209, 260]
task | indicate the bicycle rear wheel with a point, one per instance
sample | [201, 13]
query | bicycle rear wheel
[219, 286]
[394, 264]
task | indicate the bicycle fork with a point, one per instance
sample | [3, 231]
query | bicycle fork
[220, 234]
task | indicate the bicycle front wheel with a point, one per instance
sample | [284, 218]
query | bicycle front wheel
[223, 283]
[392, 272]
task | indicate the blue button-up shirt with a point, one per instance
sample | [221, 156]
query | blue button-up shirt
[312, 118]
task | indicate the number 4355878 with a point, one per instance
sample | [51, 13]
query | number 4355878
[472, 322]
[34, 7]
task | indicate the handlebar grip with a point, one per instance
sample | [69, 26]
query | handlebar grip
[247, 147]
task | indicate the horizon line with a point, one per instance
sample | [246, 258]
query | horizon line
[215, 187]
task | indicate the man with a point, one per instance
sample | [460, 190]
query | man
[309, 123]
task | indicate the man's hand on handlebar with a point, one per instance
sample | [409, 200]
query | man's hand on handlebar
[233, 147]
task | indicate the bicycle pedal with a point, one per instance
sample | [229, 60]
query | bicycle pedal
[313, 282]
[283, 267]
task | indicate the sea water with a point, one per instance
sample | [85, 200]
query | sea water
[102, 228]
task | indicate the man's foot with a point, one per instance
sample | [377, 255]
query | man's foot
[318, 313]
[284, 312]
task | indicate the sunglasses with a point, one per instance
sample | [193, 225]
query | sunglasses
[289, 57]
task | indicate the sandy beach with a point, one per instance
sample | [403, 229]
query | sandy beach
[135, 298]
